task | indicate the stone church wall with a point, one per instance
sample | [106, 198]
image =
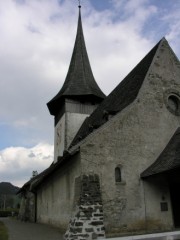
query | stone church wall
[27, 208]
[55, 198]
[125, 202]
[132, 141]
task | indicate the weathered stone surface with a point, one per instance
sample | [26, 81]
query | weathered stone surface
[77, 224]
[87, 225]
[55, 203]
[27, 209]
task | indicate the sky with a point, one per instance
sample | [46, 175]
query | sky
[37, 39]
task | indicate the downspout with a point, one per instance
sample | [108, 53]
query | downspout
[35, 207]
[145, 211]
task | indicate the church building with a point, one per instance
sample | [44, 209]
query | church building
[116, 168]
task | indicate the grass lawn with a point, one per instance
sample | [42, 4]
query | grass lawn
[3, 232]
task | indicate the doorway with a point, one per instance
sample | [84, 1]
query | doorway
[175, 202]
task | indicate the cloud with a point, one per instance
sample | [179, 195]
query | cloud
[32, 62]
[119, 43]
[172, 21]
[18, 163]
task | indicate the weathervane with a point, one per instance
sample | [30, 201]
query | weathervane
[79, 3]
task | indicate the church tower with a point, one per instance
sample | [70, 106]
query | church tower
[77, 98]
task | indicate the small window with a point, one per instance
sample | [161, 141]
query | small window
[118, 177]
[164, 206]
[173, 104]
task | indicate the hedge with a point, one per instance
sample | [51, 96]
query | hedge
[8, 213]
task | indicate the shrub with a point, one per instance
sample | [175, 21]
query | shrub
[8, 213]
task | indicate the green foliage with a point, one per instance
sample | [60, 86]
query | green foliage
[3, 232]
[9, 201]
[9, 212]
[8, 197]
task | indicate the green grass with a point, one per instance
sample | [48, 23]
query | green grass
[3, 232]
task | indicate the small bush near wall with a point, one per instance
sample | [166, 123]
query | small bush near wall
[5, 213]
[8, 213]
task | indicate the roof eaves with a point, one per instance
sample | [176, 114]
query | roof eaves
[169, 158]
[53, 168]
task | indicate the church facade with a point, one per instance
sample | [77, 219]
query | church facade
[116, 159]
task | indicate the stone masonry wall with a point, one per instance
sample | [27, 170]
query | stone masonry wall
[87, 221]
[133, 140]
[27, 209]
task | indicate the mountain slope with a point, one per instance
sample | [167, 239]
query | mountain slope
[8, 188]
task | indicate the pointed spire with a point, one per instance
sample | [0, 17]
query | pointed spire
[79, 83]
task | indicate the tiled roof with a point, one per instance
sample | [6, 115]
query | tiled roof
[169, 158]
[123, 95]
[79, 82]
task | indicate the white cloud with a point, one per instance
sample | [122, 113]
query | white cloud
[17, 163]
[115, 40]
[172, 21]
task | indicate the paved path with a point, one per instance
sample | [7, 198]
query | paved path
[34, 231]
[30, 231]
[155, 236]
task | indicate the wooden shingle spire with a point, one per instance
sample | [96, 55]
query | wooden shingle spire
[79, 83]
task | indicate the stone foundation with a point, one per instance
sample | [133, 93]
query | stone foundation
[87, 222]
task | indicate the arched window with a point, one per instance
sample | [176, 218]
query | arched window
[118, 177]
[174, 104]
